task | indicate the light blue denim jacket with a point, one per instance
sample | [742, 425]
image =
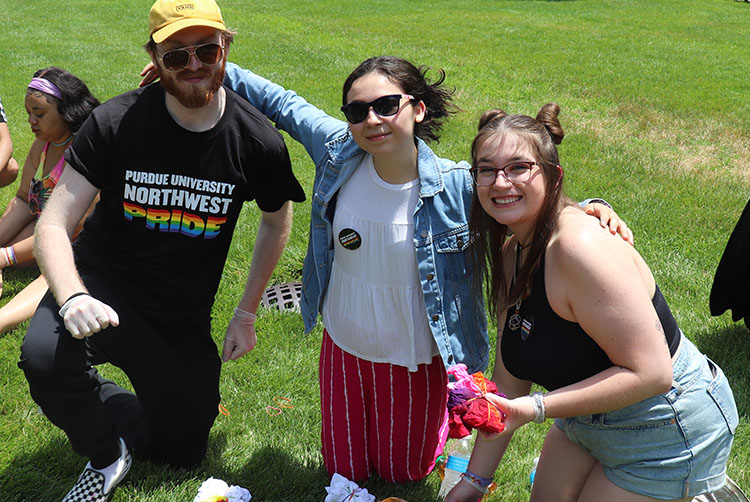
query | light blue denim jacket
[441, 234]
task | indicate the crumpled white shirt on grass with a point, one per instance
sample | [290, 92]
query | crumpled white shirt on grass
[344, 490]
[213, 490]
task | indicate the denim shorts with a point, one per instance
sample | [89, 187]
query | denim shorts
[669, 446]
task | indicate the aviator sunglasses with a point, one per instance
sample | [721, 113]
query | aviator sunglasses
[178, 59]
[385, 106]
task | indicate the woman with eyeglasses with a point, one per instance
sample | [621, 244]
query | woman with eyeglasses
[640, 414]
[57, 103]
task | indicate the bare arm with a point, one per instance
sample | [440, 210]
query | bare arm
[6, 145]
[68, 203]
[82, 314]
[17, 215]
[606, 287]
[489, 449]
[8, 166]
[272, 236]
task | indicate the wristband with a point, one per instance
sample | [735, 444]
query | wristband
[476, 478]
[9, 255]
[540, 413]
[245, 315]
[66, 305]
[595, 200]
[467, 477]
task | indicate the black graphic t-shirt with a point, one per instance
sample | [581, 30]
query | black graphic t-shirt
[170, 198]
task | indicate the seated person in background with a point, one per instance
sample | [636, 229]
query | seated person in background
[8, 165]
[640, 414]
[137, 287]
[57, 103]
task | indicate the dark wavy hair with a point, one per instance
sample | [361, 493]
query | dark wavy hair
[77, 102]
[541, 135]
[436, 97]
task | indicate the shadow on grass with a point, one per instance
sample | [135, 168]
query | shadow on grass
[47, 474]
[729, 347]
[39, 475]
[270, 474]
[291, 480]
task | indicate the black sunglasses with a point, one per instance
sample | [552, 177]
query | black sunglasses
[178, 59]
[385, 106]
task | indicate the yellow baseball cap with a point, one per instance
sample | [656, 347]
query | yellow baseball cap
[167, 17]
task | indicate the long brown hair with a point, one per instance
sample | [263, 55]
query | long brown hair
[541, 135]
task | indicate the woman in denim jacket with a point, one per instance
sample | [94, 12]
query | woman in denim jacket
[400, 300]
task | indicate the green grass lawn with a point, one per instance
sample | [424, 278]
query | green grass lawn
[655, 105]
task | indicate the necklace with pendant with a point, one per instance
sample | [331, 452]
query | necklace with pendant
[516, 321]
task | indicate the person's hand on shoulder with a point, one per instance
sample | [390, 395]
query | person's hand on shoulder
[149, 75]
[609, 219]
[240, 337]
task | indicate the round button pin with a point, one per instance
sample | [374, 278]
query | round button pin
[350, 239]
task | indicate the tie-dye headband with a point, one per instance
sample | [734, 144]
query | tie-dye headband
[44, 85]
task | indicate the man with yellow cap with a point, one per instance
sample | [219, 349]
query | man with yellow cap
[174, 162]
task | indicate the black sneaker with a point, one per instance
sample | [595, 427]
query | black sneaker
[90, 486]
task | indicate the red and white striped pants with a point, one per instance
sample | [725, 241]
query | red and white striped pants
[379, 417]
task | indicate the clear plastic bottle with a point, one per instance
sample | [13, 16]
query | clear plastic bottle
[456, 464]
[532, 474]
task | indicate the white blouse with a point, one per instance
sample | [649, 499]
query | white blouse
[374, 308]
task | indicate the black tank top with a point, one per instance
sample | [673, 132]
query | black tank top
[552, 352]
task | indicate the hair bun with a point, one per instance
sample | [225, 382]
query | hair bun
[491, 116]
[548, 117]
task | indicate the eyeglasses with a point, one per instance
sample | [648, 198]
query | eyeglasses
[385, 106]
[178, 59]
[515, 172]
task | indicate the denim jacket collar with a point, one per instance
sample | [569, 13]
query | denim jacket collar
[430, 177]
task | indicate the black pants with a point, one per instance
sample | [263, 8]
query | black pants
[174, 369]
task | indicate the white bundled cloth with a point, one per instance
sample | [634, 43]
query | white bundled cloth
[343, 490]
[214, 490]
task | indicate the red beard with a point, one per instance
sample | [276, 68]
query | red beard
[191, 96]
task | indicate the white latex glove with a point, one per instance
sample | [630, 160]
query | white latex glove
[240, 338]
[84, 315]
